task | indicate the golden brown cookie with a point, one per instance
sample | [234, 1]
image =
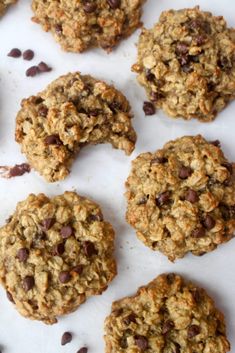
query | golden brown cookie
[182, 197]
[79, 25]
[4, 4]
[186, 64]
[54, 254]
[73, 111]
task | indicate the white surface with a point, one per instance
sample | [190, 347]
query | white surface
[99, 173]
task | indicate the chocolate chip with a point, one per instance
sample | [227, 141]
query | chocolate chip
[196, 295]
[78, 269]
[130, 318]
[89, 6]
[66, 231]
[228, 166]
[149, 108]
[167, 326]
[115, 106]
[160, 160]
[215, 143]
[58, 29]
[37, 100]
[181, 48]
[209, 222]
[185, 172]
[19, 169]
[200, 39]
[28, 54]
[163, 198]
[177, 348]
[142, 201]
[141, 342]
[42, 111]
[170, 278]
[66, 338]
[53, 140]
[23, 254]
[59, 249]
[14, 53]
[32, 71]
[149, 75]
[28, 283]
[191, 196]
[64, 277]
[83, 350]
[155, 96]
[186, 68]
[47, 223]
[10, 297]
[198, 232]
[193, 331]
[43, 67]
[95, 217]
[114, 4]
[89, 248]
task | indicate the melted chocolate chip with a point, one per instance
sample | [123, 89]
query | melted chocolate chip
[196, 295]
[58, 29]
[47, 223]
[59, 249]
[129, 319]
[66, 231]
[28, 283]
[191, 196]
[114, 4]
[89, 6]
[163, 198]
[193, 331]
[78, 269]
[89, 249]
[10, 297]
[167, 326]
[185, 172]
[198, 232]
[64, 277]
[42, 111]
[159, 160]
[53, 140]
[149, 75]
[23, 254]
[141, 342]
[209, 222]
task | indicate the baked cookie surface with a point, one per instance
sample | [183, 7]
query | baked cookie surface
[73, 111]
[168, 315]
[186, 64]
[54, 254]
[4, 4]
[78, 25]
[182, 197]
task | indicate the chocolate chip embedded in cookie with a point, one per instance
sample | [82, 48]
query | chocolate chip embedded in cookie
[79, 25]
[4, 4]
[182, 198]
[169, 315]
[186, 64]
[73, 111]
[45, 273]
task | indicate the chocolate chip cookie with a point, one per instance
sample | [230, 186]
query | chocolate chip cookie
[79, 25]
[4, 4]
[182, 197]
[54, 254]
[186, 63]
[168, 315]
[73, 111]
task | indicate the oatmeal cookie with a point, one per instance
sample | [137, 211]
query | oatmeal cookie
[182, 198]
[4, 5]
[186, 63]
[168, 315]
[73, 111]
[54, 254]
[80, 24]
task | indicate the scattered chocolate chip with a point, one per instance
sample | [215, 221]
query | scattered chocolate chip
[191, 196]
[160, 160]
[200, 39]
[19, 169]
[32, 71]
[167, 326]
[177, 348]
[64, 277]
[83, 350]
[58, 29]
[89, 248]
[181, 48]
[43, 67]
[66, 231]
[114, 4]
[10, 297]
[115, 106]
[37, 100]
[14, 53]
[193, 331]
[59, 249]
[47, 223]
[130, 318]
[170, 278]
[53, 140]
[215, 143]
[95, 217]
[198, 232]
[196, 295]
[228, 166]
[28, 54]
[209, 222]
[28, 283]
[42, 111]
[163, 198]
[89, 6]
[185, 172]
[142, 201]
[149, 75]
[141, 342]
[23, 254]
[149, 108]
[78, 269]
[66, 338]
[187, 68]
[155, 96]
